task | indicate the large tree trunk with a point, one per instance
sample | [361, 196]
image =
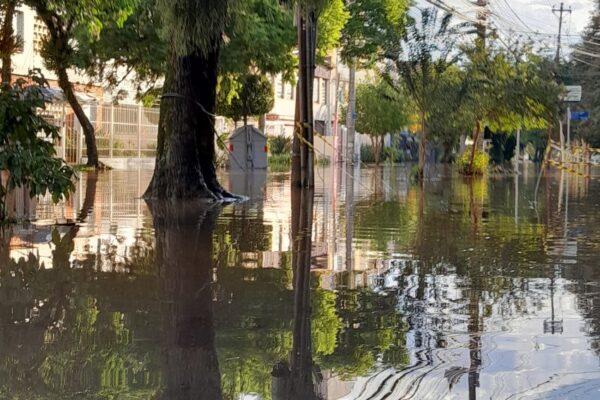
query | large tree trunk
[86, 125]
[185, 155]
[7, 40]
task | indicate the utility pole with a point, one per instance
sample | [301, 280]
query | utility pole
[482, 22]
[560, 11]
[351, 115]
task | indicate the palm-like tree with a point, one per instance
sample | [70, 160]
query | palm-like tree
[427, 49]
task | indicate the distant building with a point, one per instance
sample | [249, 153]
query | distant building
[331, 80]
[32, 31]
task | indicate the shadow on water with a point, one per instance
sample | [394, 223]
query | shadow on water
[299, 378]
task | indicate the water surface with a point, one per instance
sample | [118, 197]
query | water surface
[463, 289]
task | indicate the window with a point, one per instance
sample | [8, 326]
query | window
[316, 91]
[39, 33]
[325, 90]
[20, 29]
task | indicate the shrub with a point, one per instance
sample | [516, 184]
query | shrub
[27, 152]
[367, 155]
[480, 163]
[280, 145]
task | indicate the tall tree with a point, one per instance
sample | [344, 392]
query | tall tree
[259, 39]
[508, 89]
[427, 50]
[373, 30]
[380, 110]
[185, 155]
[64, 18]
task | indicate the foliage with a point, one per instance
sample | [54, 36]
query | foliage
[479, 166]
[503, 148]
[331, 21]
[449, 115]
[81, 19]
[380, 110]
[367, 153]
[373, 26]
[259, 39]
[254, 97]
[510, 88]
[280, 144]
[26, 143]
[194, 25]
[426, 51]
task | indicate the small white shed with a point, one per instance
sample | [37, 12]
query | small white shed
[247, 149]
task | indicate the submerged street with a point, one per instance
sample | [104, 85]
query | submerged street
[466, 289]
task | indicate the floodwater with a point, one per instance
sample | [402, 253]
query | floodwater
[365, 288]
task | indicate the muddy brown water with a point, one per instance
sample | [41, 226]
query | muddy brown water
[377, 290]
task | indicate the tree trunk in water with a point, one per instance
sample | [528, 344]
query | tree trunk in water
[185, 155]
[86, 125]
[422, 149]
[7, 41]
[192, 367]
[474, 149]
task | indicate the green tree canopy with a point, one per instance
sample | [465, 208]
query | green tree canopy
[332, 20]
[380, 110]
[254, 97]
[373, 30]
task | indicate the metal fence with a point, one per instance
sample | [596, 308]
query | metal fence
[122, 131]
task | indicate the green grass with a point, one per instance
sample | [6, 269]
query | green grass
[280, 162]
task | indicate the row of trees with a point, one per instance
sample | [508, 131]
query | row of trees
[456, 86]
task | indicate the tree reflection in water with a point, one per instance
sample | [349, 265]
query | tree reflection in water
[184, 259]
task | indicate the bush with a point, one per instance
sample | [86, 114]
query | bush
[280, 145]
[367, 155]
[392, 155]
[480, 163]
[26, 143]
